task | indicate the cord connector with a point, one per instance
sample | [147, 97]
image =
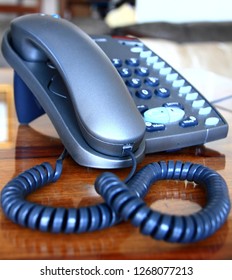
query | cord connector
[126, 149]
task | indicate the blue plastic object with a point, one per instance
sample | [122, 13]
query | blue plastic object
[27, 106]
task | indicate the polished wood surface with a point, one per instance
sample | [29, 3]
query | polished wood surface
[27, 145]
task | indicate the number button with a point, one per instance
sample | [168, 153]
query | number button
[134, 82]
[162, 92]
[142, 71]
[144, 94]
[152, 81]
[132, 61]
[125, 72]
[117, 62]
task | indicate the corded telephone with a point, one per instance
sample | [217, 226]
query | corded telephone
[111, 101]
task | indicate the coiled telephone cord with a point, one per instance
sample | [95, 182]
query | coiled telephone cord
[123, 201]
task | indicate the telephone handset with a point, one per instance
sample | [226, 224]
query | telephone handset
[111, 101]
[95, 104]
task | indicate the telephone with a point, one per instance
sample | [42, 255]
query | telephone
[111, 101]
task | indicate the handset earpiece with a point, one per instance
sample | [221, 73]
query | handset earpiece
[104, 109]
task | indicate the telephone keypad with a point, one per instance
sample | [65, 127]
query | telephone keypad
[153, 83]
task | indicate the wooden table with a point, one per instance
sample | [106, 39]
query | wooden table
[25, 146]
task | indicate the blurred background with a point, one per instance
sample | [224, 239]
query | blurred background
[104, 16]
[179, 21]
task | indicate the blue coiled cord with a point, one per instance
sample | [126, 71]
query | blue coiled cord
[123, 201]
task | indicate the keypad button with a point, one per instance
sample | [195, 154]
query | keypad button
[162, 92]
[158, 65]
[132, 61]
[205, 111]
[165, 71]
[178, 83]
[145, 54]
[125, 72]
[198, 103]
[163, 115]
[185, 90]
[212, 121]
[171, 77]
[142, 108]
[117, 62]
[191, 96]
[152, 127]
[136, 49]
[134, 82]
[152, 81]
[174, 104]
[144, 93]
[152, 59]
[142, 71]
[189, 122]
